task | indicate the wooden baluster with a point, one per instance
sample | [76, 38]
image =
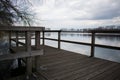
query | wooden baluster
[9, 39]
[37, 39]
[59, 38]
[43, 38]
[17, 44]
[92, 44]
[16, 39]
[29, 59]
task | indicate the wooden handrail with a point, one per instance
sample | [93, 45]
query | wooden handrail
[75, 42]
[95, 31]
[21, 28]
[52, 31]
[92, 44]
[87, 44]
[21, 43]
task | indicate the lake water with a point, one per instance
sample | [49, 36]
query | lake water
[104, 53]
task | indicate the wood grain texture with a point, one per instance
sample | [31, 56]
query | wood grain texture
[58, 64]
[66, 65]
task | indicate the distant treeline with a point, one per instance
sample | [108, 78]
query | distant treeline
[89, 34]
[111, 27]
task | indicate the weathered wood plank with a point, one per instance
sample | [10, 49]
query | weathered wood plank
[20, 55]
[111, 72]
[9, 36]
[65, 65]
[92, 45]
[87, 44]
[28, 41]
[15, 40]
[59, 38]
[20, 28]
[59, 58]
[37, 39]
[98, 70]
[43, 39]
[72, 73]
[74, 66]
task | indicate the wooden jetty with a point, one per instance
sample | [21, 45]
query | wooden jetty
[65, 65]
[57, 64]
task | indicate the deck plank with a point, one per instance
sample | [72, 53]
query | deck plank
[56, 64]
[80, 71]
[112, 73]
[98, 70]
[20, 55]
[66, 65]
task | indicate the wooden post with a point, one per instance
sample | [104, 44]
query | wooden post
[59, 36]
[43, 38]
[28, 41]
[19, 59]
[16, 39]
[37, 39]
[92, 44]
[9, 34]
[29, 59]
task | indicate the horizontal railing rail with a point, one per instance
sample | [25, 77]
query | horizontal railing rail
[21, 43]
[92, 44]
[94, 31]
[87, 44]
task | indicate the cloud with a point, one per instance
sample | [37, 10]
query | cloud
[76, 12]
[78, 9]
[97, 9]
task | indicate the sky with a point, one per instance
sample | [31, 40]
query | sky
[58, 14]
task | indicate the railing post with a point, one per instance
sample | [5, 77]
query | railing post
[16, 39]
[92, 44]
[9, 39]
[43, 35]
[29, 59]
[59, 38]
[17, 45]
[37, 39]
[26, 40]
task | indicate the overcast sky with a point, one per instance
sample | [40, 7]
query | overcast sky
[77, 13]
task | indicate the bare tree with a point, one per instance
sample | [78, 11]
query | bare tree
[12, 11]
[15, 12]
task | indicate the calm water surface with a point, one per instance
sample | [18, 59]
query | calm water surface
[104, 53]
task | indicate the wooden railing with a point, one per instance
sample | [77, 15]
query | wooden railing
[92, 44]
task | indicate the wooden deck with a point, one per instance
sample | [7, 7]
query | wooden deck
[58, 64]
[64, 65]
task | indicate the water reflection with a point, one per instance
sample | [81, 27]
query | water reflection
[105, 39]
[104, 53]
